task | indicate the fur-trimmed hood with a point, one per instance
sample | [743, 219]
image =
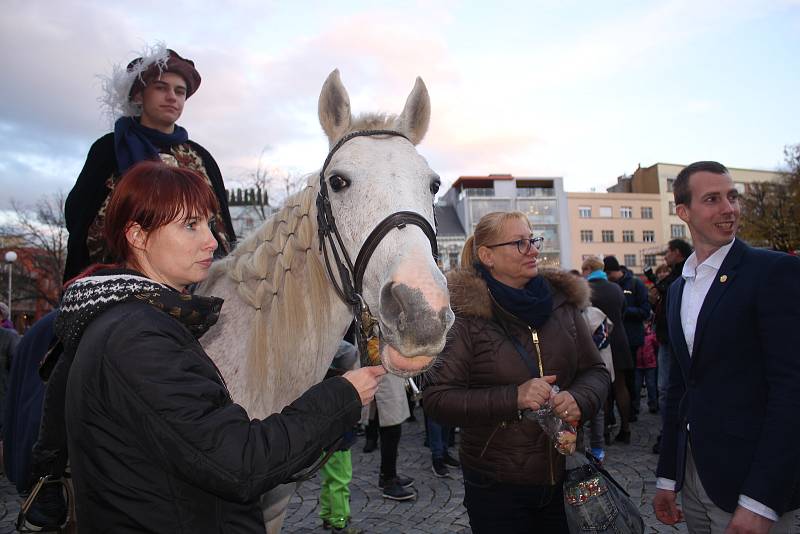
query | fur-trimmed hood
[470, 297]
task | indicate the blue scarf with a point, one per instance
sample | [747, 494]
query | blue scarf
[134, 143]
[531, 304]
[597, 275]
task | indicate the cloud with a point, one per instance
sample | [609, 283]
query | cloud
[537, 89]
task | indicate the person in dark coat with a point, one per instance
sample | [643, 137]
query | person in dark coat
[8, 346]
[518, 332]
[675, 256]
[731, 417]
[608, 297]
[637, 311]
[146, 99]
[23, 401]
[156, 443]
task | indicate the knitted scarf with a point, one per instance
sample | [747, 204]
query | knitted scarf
[90, 296]
[134, 143]
[532, 304]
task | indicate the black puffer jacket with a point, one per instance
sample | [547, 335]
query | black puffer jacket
[475, 384]
[156, 443]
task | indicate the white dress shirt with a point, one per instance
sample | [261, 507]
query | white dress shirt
[698, 280]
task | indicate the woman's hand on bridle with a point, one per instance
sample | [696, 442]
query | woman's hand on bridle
[534, 393]
[366, 381]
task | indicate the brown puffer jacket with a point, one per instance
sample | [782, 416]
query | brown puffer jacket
[475, 384]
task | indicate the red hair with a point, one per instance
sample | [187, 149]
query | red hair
[153, 194]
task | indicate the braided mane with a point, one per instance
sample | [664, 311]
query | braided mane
[278, 272]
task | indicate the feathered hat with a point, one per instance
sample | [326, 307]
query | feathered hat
[152, 62]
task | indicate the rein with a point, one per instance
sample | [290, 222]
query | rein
[348, 283]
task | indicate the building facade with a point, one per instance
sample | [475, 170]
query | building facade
[542, 199]
[625, 225]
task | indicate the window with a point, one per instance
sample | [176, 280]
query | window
[671, 208]
[630, 260]
[649, 260]
[626, 212]
[648, 236]
[608, 236]
[539, 211]
[584, 212]
[606, 211]
[627, 236]
[587, 236]
[670, 183]
[677, 230]
[647, 213]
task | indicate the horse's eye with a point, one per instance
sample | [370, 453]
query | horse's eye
[435, 184]
[338, 183]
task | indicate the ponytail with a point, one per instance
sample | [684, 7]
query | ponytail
[468, 256]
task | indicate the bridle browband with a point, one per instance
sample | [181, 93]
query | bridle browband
[348, 283]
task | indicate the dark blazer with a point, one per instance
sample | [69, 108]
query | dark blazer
[739, 391]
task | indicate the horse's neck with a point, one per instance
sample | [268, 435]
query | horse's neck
[282, 321]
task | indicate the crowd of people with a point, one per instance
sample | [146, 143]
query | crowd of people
[139, 415]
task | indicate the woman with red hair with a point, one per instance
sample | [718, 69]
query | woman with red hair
[156, 444]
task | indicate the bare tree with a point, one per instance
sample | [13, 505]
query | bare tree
[771, 210]
[276, 183]
[39, 237]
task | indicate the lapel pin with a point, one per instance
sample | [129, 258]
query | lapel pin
[723, 278]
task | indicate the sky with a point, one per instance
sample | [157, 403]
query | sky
[583, 90]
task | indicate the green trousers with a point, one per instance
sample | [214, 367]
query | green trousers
[334, 497]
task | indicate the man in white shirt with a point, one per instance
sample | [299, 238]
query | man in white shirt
[731, 421]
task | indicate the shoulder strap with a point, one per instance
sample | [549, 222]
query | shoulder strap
[534, 371]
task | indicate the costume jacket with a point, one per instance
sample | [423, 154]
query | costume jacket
[608, 297]
[637, 307]
[475, 384]
[84, 210]
[156, 444]
[737, 396]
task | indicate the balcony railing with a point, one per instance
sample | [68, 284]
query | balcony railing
[536, 192]
[478, 192]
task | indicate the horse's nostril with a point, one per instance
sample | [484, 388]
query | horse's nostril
[391, 307]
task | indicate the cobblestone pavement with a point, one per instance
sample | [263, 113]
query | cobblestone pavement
[437, 508]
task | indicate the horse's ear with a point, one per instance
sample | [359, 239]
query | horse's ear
[334, 108]
[416, 116]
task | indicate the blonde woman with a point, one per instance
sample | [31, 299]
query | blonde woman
[518, 332]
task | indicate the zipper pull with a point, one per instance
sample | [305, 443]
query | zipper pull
[535, 335]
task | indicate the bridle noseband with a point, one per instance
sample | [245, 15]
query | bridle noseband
[348, 283]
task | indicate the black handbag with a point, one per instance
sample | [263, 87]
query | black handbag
[595, 502]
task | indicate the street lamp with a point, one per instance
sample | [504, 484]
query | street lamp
[11, 257]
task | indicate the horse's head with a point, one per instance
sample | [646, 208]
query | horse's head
[368, 179]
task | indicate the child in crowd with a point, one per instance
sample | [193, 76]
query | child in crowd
[646, 368]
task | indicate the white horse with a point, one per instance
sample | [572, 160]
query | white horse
[282, 319]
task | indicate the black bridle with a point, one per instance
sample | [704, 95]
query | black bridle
[348, 283]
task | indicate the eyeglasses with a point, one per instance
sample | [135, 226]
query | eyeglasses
[523, 245]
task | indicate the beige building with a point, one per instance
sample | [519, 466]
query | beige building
[625, 225]
[657, 180]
